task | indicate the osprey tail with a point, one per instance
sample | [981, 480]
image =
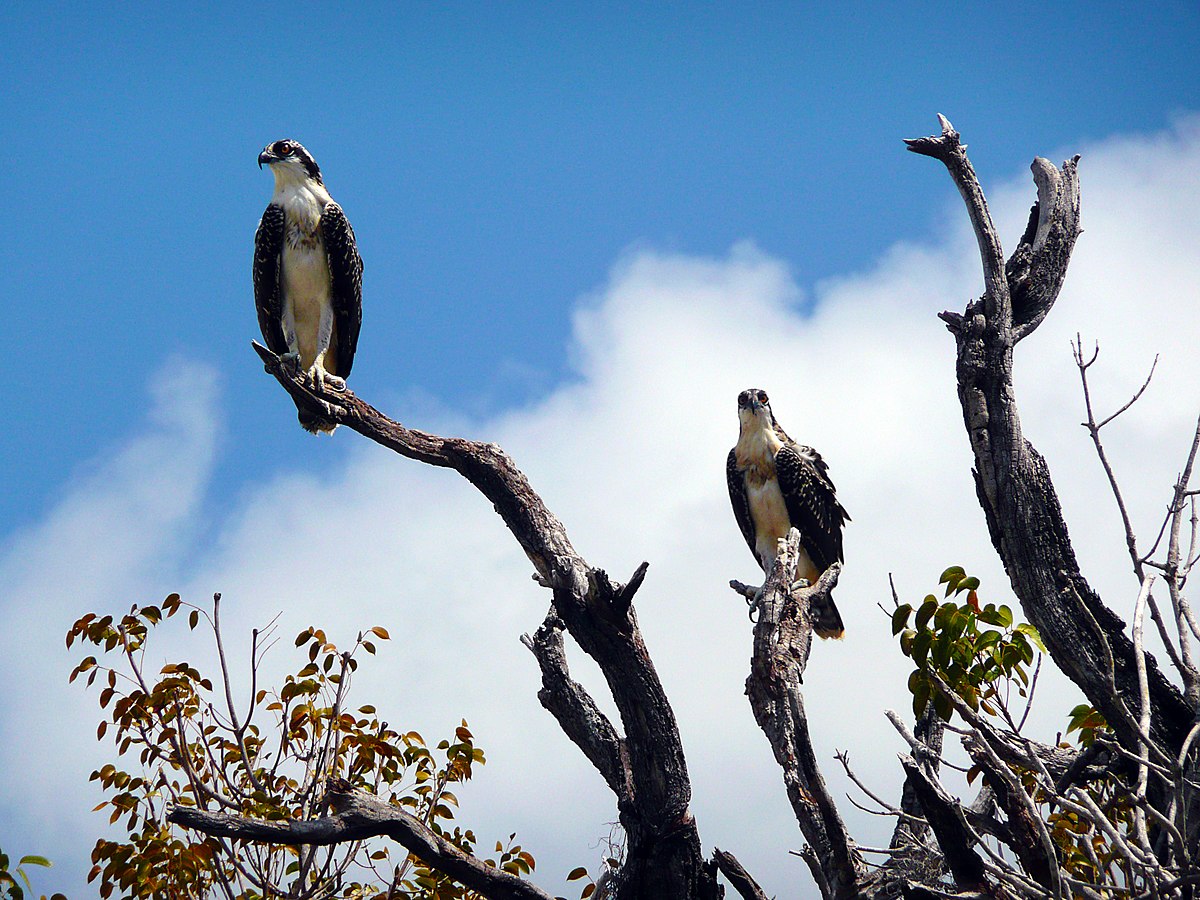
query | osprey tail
[827, 621]
[318, 425]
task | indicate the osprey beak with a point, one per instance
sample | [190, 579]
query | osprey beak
[266, 157]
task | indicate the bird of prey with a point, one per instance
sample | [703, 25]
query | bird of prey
[307, 274]
[775, 485]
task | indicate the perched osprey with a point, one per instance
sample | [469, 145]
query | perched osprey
[776, 484]
[307, 273]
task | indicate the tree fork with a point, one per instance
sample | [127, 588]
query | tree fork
[645, 767]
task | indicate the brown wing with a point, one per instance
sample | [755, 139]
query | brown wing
[812, 503]
[741, 503]
[268, 294]
[345, 272]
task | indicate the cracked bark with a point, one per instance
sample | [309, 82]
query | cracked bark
[782, 639]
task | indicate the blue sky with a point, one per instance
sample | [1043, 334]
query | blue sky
[515, 173]
[495, 160]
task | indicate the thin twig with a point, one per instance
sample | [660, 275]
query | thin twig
[1139, 618]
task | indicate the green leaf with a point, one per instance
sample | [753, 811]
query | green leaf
[940, 651]
[950, 573]
[957, 624]
[900, 617]
[1026, 652]
[1027, 629]
[928, 608]
[920, 698]
[1006, 617]
[35, 861]
[920, 648]
[577, 873]
[970, 696]
[986, 640]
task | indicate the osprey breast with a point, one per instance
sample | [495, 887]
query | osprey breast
[770, 515]
[305, 272]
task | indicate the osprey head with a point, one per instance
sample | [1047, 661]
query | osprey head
[753, 400]
[288, 159]
[754, 409]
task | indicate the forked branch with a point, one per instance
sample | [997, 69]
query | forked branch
[645, 766]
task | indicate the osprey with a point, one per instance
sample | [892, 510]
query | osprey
[775, 485]
[307, 273]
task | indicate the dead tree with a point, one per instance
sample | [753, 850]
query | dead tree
[642, 762]
[998, 845]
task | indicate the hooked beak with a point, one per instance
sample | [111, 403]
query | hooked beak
[266, 157]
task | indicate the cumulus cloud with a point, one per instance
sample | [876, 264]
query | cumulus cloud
[630, 454]
[121, 530]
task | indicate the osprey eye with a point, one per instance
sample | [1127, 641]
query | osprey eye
[284, 149]
[762, 397]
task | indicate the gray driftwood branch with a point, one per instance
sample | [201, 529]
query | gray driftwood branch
[358, 816]
[1154, 723]
[782, 639]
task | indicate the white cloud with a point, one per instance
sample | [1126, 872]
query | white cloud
[116, 538]
[630, 455]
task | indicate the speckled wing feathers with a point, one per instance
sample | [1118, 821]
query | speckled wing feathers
[741, 503]
[811, 503]
[268, 294]
[345, 271]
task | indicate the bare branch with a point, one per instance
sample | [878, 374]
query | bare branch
[575, 710]
[360, 815]
[1174, 574]
[1094, 430]
[1139, 618]
[664, 845]
[953, 154]
[737, 876]
[1036, 271]
[1085, 638]
[782, 639]
[954, 836]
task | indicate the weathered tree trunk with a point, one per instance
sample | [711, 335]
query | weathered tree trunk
[1086, 639]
